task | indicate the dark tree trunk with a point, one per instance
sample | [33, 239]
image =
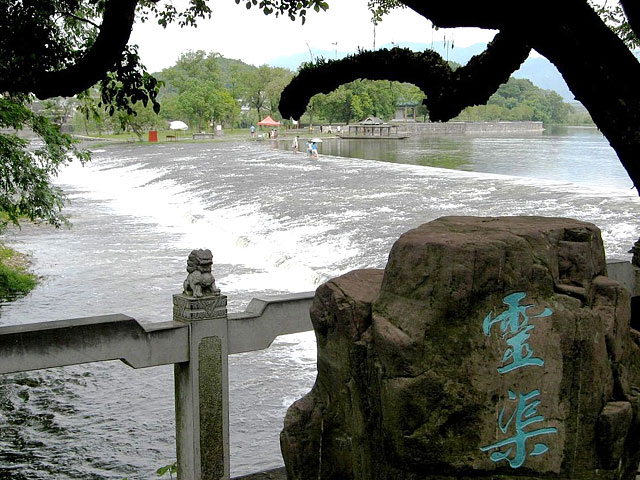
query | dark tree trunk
[602, 74]
[102, 56]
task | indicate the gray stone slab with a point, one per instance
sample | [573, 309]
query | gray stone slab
[275, 474]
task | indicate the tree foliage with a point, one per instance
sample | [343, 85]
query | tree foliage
[521, 100]
[203, 87]
[192, 66]
[357, 100]
[52, 48]
[291, 8]
[614, 17]
[262, 87]
[26, 188]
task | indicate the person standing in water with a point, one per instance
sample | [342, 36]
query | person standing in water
[294, 145]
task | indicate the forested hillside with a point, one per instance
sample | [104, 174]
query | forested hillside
[205, 89]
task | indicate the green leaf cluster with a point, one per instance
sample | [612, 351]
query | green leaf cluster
[14, 280]
[27, 168]
[166, 12]
[614, 17]
[128, 84]
[358, 100]
[292, 8]
[379, 8]
[168, 469]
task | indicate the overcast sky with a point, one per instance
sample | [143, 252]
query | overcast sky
[255, 38]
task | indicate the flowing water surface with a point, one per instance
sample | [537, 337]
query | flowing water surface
[276, 222]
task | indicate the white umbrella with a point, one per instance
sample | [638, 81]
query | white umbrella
[178, 125]
[317, 140]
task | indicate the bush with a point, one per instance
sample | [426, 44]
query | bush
[14, 280]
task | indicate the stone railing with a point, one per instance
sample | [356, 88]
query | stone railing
[625, 273]
[198, 342]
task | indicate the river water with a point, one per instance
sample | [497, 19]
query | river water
[276, 222]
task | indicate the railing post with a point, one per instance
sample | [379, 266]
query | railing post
[201, 384]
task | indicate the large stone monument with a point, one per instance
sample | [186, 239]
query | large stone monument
[491, 348]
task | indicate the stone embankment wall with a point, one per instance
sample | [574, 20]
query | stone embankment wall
[448, 128]
[470, 128]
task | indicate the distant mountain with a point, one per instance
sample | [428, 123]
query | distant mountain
[292, 62]
[545, 75]
[537, 69]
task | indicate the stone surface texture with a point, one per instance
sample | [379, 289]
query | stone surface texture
[409, 385]
[200, 281]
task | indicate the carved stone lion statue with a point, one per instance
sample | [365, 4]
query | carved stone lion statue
[200, 281]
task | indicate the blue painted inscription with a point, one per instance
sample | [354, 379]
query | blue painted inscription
[516, 329]
[514, 449]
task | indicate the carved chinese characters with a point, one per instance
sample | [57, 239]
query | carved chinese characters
[489, 348]
[516, 327]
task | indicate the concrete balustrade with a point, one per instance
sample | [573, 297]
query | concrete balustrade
[93, 339]
[625, 273]
[198, 342]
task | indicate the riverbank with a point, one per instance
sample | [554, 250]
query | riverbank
[414, 128]
[472, 128]
[15, 279]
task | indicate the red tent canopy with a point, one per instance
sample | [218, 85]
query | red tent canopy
[269, 122]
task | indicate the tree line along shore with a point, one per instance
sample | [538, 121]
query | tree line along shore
[206, 90]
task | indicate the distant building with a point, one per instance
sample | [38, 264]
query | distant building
[406, 112]
[373, 127]
[371, 121]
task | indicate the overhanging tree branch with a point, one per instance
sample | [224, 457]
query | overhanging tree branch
[325, 76]
[601, 72]
[63, 13]
[92, 67]
[597, 65]
[469, 13]
[448, 91]
[632, 11]
[475, 82]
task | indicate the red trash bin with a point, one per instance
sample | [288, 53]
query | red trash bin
[153, 135]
